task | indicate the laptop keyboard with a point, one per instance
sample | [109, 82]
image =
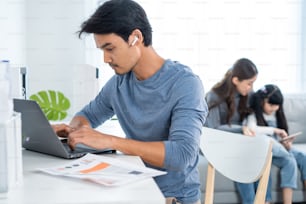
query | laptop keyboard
[79, 148]
[76, 150]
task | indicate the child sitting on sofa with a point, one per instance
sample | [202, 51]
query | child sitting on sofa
[269, 119]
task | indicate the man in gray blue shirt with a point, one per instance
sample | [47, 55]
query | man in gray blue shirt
[159, 103]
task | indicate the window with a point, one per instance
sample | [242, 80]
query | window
[209, 36]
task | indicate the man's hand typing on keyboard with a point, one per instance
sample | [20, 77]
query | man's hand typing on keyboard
[62, 130]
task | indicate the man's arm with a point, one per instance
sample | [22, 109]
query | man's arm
[150, 152]
[78, 121]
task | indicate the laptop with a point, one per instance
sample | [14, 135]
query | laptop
[39, 136]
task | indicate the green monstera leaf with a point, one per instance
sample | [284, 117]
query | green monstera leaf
[53, 103]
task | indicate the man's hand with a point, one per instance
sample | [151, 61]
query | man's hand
[62, 130]
[90, 137]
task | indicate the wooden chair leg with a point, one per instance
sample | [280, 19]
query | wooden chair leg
[210, 185]
[263, 182]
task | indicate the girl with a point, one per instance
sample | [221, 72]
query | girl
[269, 119]
[228, 106]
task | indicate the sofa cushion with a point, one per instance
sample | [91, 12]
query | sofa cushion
[225, 191]
[295, 110]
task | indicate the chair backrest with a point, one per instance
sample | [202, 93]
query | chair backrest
[238, 157]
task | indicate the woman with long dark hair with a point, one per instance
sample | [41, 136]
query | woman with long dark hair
[228, 107]
[228, 99]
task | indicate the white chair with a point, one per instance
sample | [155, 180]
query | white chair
[238, 157]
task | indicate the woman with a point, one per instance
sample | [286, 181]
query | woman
[228, 99]
[228, 107]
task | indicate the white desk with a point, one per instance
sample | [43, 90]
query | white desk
[40, 188]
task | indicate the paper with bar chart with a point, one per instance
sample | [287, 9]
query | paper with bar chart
[103, 170]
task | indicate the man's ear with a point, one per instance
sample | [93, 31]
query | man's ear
[135, 36]
[134, 41]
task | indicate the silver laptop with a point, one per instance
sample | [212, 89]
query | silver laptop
[39, 136]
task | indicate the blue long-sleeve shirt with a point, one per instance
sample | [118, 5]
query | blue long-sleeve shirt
[169, 106]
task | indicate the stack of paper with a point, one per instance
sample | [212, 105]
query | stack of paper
[104, 170]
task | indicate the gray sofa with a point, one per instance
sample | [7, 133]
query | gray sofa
[225, 192]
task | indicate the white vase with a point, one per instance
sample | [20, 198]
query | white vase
[6, 102]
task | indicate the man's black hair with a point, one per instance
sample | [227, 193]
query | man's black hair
[120, 17]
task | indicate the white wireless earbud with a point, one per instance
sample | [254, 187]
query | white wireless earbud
[134, 41]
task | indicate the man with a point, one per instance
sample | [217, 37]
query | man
[159, 103]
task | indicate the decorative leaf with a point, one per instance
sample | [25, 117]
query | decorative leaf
[54, 104]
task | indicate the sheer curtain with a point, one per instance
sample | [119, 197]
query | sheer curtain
[303, 50]
[210, 36]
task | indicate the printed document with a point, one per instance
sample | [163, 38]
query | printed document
[103, 170]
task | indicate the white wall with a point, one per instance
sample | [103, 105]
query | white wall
[41, 35]
[53, 48]
[54, 51]
[12, 31]
[303, 50]
[206, 35]
[210, 35]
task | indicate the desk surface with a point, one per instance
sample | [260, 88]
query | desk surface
[39, 188]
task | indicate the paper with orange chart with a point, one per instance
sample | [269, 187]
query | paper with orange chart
[103, 170]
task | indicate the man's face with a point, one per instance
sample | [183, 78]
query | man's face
[120, 55]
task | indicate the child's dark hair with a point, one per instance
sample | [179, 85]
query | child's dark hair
[271, 94]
